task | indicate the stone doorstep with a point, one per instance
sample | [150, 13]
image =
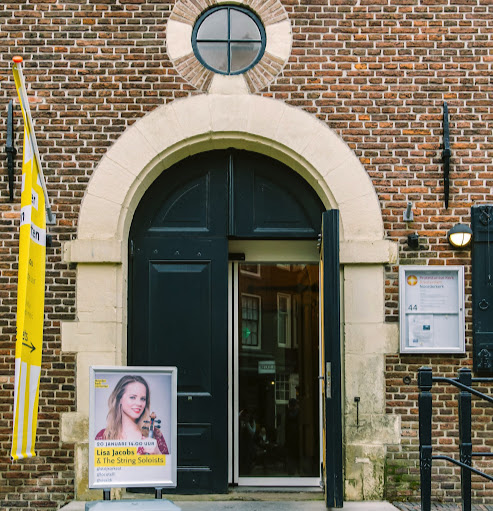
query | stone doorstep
[245, 494]
[296, 496]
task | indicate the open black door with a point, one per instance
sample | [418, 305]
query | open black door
[331, 359]
[179, 318]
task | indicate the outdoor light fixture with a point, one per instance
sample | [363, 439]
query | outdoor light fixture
[460, 236]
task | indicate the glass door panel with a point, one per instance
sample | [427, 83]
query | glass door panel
[278, 361]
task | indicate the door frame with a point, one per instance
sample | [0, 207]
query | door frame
[261, 252]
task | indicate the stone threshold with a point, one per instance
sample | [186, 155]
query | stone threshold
[250, 493]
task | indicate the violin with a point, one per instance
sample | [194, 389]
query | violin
[153, 424]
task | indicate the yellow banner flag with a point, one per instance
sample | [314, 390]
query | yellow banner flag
[31, 288]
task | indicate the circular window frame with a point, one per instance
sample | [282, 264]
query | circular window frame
[228, 41]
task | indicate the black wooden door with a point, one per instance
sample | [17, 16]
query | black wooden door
[331, 359]
[178, 311]
[179, 318]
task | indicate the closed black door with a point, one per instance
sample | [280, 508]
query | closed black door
[179, 318]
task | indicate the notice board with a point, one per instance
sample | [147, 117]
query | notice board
[431, 303]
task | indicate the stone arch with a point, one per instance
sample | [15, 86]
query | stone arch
[188, 126]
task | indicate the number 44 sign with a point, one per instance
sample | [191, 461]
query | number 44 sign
[431, 309]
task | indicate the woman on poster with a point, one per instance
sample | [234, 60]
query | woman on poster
[129, 417]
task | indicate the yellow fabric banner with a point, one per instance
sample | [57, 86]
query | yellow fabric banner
[30, 292]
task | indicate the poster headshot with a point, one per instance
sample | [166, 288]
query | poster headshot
[132, 427]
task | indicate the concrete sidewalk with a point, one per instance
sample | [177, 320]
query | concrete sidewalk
[278, 505]
[416, 506]
[293, 505]
[281, 506]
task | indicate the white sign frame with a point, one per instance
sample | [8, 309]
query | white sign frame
[437, 321]
[158, 379]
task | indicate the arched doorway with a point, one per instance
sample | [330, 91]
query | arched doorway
[186, 127]
[179, 298]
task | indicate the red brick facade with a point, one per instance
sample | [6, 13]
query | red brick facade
[376, 72]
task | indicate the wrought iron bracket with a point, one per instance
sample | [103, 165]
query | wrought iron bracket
[485, 215]
[10, 149]
[446, 154]
[485, 362]
[484, 305]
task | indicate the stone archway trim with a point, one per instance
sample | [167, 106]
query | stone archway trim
[199, 123]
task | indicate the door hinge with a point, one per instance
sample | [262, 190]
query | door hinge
[131, 248]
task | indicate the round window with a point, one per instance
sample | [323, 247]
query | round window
[228, 39]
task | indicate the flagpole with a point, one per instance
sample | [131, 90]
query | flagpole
[18, 66]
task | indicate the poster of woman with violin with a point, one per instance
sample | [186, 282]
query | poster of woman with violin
[132, 429]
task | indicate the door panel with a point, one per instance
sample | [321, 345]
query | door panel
[482, 289]
[271, 200]
[179, 291]
[189, 199]
[179, 318]
[330, 343]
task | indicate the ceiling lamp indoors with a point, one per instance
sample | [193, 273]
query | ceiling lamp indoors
[460, 236]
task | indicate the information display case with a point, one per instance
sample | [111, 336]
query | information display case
[431, 302]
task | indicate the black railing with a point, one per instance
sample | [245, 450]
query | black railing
[464, 384]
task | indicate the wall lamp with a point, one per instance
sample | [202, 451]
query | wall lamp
[460, 236]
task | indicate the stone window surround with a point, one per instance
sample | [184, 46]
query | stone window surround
[204, 122]
[277, 51]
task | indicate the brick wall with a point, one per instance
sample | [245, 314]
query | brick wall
[375, 71]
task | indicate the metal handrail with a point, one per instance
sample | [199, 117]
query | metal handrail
[456, 383]
[463, 383]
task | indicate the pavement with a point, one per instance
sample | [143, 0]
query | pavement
[233, 505]
[283, 502]
[302, 505]
[416, 506]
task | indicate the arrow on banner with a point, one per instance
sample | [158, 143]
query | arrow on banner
[32, 347]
